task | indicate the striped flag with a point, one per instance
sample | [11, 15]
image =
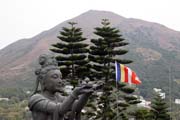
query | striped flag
[125, 74]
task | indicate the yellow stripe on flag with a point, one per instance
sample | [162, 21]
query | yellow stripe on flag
[122, 73]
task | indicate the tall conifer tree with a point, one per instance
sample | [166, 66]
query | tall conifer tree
[106, 49]
[71, 53]
[160, 108]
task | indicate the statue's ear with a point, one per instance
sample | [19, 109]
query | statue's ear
[36, 86]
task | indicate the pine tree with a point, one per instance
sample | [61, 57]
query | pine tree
[126, 99]
[159, 108]
[105, 50]
[142, 113]
[72, 53]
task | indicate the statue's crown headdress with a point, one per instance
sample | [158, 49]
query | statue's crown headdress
[46, 60]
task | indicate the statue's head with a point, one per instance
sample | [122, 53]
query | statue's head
[49, 75]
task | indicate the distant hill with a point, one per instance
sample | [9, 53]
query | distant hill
[153, 48]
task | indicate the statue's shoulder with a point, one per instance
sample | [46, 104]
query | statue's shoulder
[35, 99]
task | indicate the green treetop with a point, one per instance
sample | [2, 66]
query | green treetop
[105, 50]
[71, 53]
[160, 108]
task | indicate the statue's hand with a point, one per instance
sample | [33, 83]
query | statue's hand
[83, 90]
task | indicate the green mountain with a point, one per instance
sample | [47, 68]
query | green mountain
[153, 47]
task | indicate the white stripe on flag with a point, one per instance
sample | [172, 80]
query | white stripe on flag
[129, 76]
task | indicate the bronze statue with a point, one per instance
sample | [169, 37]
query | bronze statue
[49, 104]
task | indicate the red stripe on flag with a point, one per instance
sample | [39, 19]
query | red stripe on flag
[135, 79]
[126, 74]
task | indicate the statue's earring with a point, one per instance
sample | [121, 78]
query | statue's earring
[37, 72]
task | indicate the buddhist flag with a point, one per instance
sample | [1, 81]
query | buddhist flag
[125, 74]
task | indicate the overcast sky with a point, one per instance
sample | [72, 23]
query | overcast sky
[26, 18]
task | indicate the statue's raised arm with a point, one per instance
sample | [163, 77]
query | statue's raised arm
[49, 104]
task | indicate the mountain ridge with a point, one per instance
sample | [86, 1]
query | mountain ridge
[150, 43]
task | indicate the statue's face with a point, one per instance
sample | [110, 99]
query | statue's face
[53, 81]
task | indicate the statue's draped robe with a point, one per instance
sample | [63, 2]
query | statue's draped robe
[46, 108]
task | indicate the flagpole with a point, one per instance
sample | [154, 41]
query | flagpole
[117, 100]
[117, 112]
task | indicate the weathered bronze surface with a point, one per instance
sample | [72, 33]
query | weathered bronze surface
[48, 103]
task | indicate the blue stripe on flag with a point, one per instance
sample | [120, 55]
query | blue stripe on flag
[118, 72]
